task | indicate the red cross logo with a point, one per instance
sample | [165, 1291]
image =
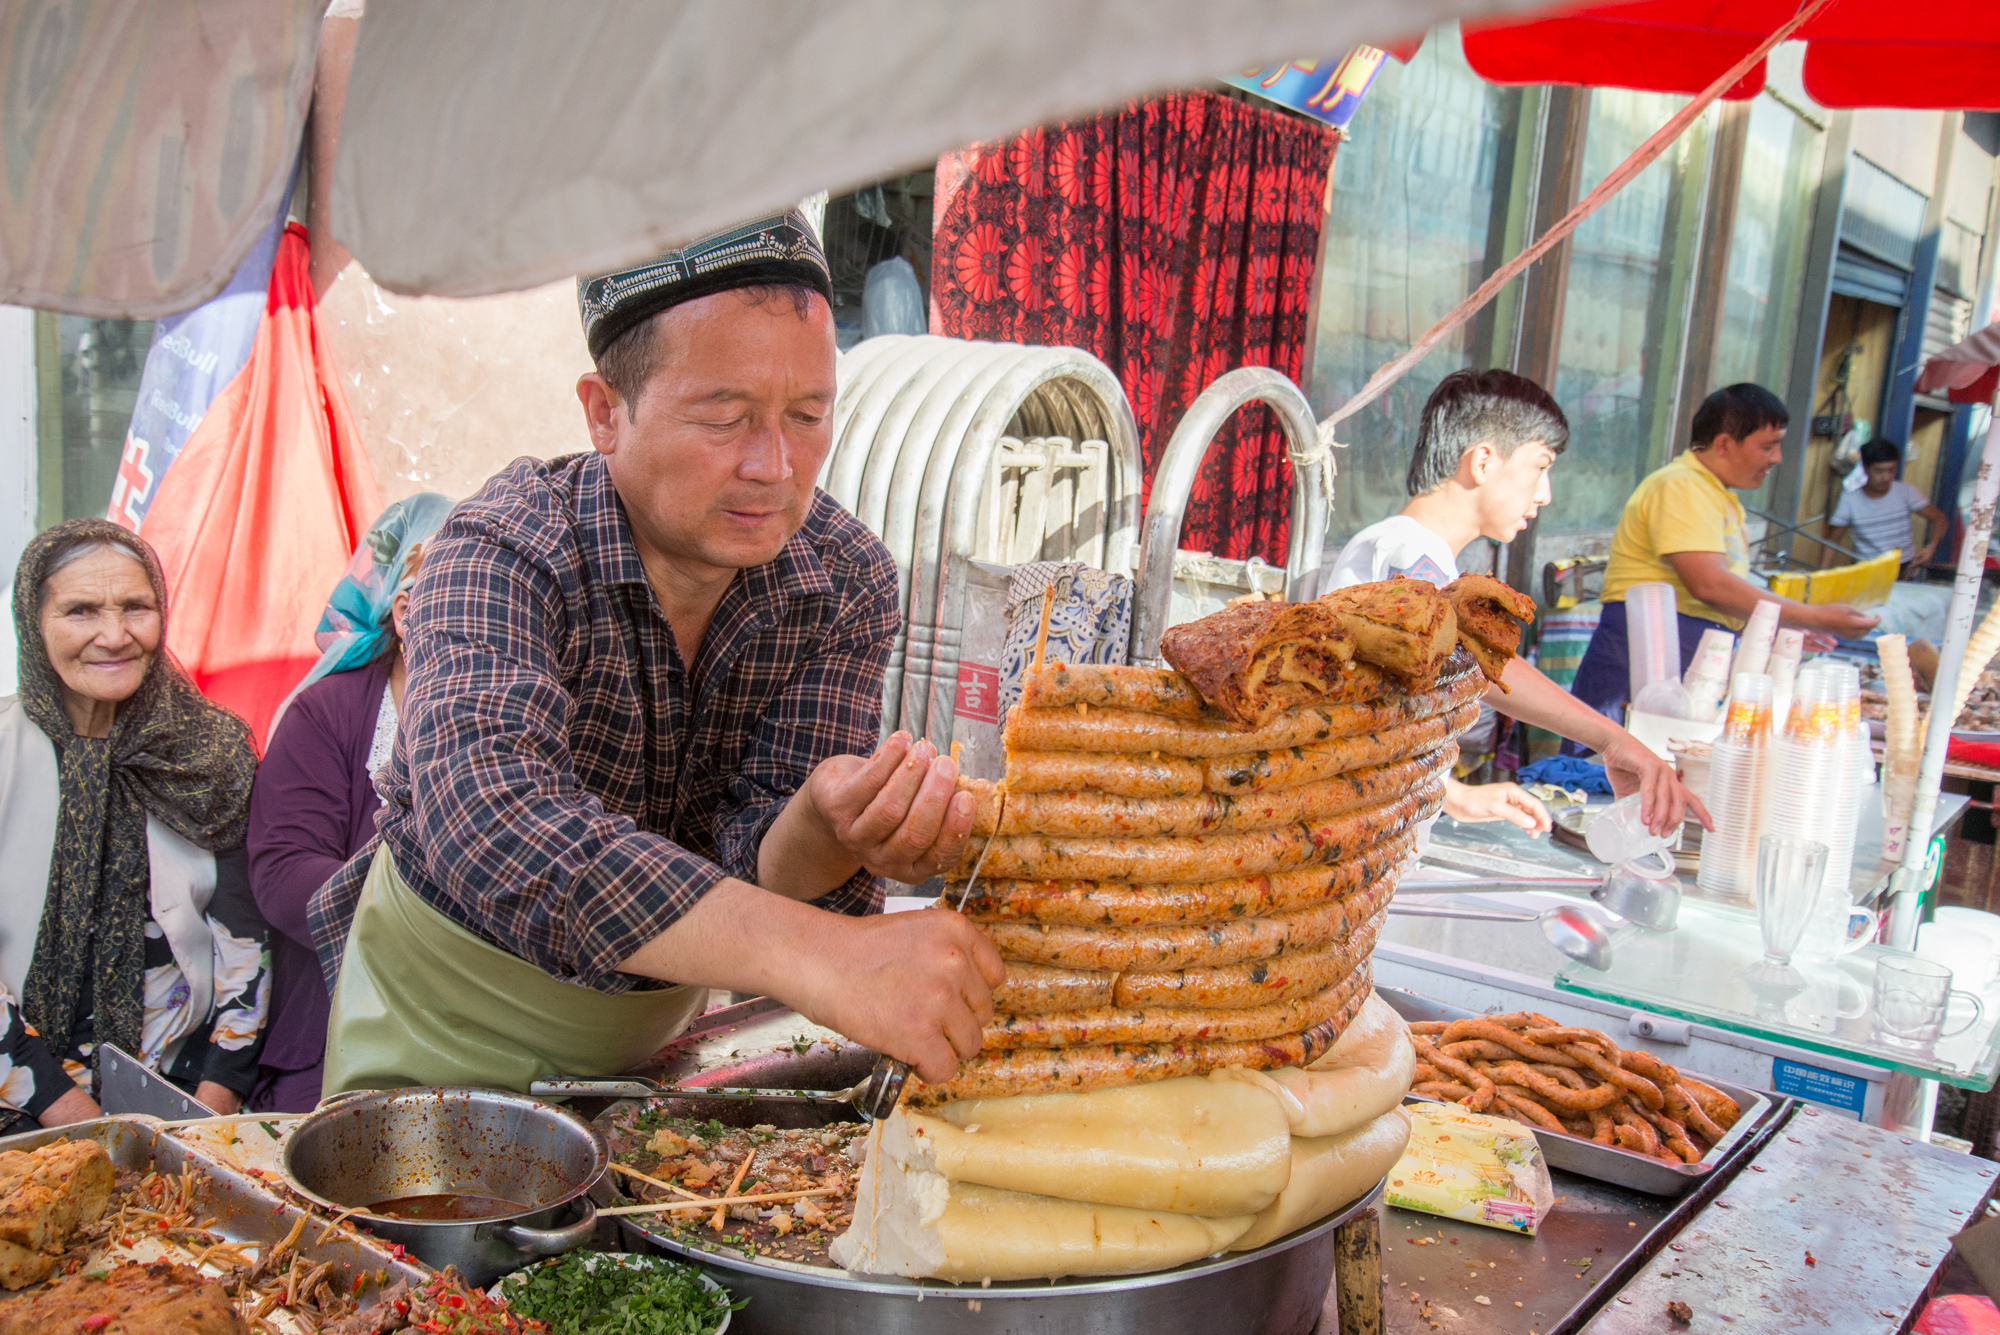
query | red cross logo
[134, 484]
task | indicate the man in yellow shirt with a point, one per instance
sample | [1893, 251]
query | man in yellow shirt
[1684, 526]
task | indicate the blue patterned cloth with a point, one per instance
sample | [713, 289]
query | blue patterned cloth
[1090, 622]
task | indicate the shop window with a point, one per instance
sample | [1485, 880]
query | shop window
[1767, 249]
[87, 383]
[1631, 274]
[1421, 192]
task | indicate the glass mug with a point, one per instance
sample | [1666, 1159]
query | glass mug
[1836, 927]
[1912, 995]
[1618, 834]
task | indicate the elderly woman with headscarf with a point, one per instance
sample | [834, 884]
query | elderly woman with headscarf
[315, 802]
[126, 916]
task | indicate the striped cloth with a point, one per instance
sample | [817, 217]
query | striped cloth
[563, 786]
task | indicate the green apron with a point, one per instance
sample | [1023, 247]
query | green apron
[422, 1001]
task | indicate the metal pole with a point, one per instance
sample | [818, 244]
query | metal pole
[1906, 883]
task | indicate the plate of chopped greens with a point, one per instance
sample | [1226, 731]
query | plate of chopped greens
[617, 1293]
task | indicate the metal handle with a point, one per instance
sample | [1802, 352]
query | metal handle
[550, 1241]
[1485, 885]
[566, 1087]
[877, 1098]
[1448, 911]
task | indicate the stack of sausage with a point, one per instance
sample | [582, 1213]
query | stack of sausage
[1573, 1080]
[1186, 870]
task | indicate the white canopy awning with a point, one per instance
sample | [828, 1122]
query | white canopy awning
[146, 145]
[502, 145]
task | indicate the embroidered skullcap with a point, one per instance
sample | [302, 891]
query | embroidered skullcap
[781, 249]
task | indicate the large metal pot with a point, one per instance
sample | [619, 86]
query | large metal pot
[370, 1148]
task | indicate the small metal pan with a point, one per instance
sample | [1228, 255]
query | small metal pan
[1654, 1177]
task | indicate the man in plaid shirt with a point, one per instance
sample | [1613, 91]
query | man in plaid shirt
[642, 684]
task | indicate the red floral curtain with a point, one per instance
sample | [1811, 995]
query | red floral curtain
[1175, 240]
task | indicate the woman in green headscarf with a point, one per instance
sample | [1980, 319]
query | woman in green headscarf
[125, 907]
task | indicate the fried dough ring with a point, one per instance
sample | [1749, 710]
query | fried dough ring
[1673, 1135]
[1085, 771]
[1101, 686]
[1134, 733]
[1443, 1091]
[1209, 857]
[1603, 1127]
[1552, 1092]
[1090, 815]
[1682, 1106]
[1595, 1061]
[1518, 1100]
[1120, 904]
[1287, 977]
[1121, 1026]
[1004, 1074]
[1721, 1109]
[1482, 1088]
[1191, 945]
[1628, 1117]
[1489, 1032]
[1275, 771]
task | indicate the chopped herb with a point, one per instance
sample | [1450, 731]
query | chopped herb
[603, 1293]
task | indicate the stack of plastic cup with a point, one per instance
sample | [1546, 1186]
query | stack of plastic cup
[1813, 788]
[1753, 648]
[1708, 677]
[1787, 648]
[1738, 783]
[1653, 635]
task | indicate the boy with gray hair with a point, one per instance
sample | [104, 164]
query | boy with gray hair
[1480, 469]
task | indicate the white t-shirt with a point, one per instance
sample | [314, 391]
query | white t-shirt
[1877, 523]
[1399, 545]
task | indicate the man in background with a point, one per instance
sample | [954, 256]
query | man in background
[1874, 517]
[1684, 526]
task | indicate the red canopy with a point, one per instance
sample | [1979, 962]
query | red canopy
[1860, 53]
[1969, 371]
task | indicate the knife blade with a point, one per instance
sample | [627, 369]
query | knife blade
[126, 1085]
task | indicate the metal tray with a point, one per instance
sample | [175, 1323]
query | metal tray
[245, 1210]
[1606, 1163]
[1279, 1289]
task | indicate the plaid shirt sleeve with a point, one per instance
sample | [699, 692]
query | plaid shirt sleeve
[504, 830]
[831, 706]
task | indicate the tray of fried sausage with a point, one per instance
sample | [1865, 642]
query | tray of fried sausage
[1621, 1116]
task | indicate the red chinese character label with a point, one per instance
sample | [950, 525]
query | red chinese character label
[978, 693]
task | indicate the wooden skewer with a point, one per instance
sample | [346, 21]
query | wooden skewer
[705, 1201]
[1042, 638]
[734, 1183]
[629, 1171]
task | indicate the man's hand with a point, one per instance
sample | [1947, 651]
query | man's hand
[1633, 768]
[895, 812]
[917, 986]
[218, 1099]
[1476, 802]
[1838, 619]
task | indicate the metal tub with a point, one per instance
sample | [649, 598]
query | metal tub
[1279, 1289]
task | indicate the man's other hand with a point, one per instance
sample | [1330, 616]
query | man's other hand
[1475, 802]
[917, 986]
[898, 812]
